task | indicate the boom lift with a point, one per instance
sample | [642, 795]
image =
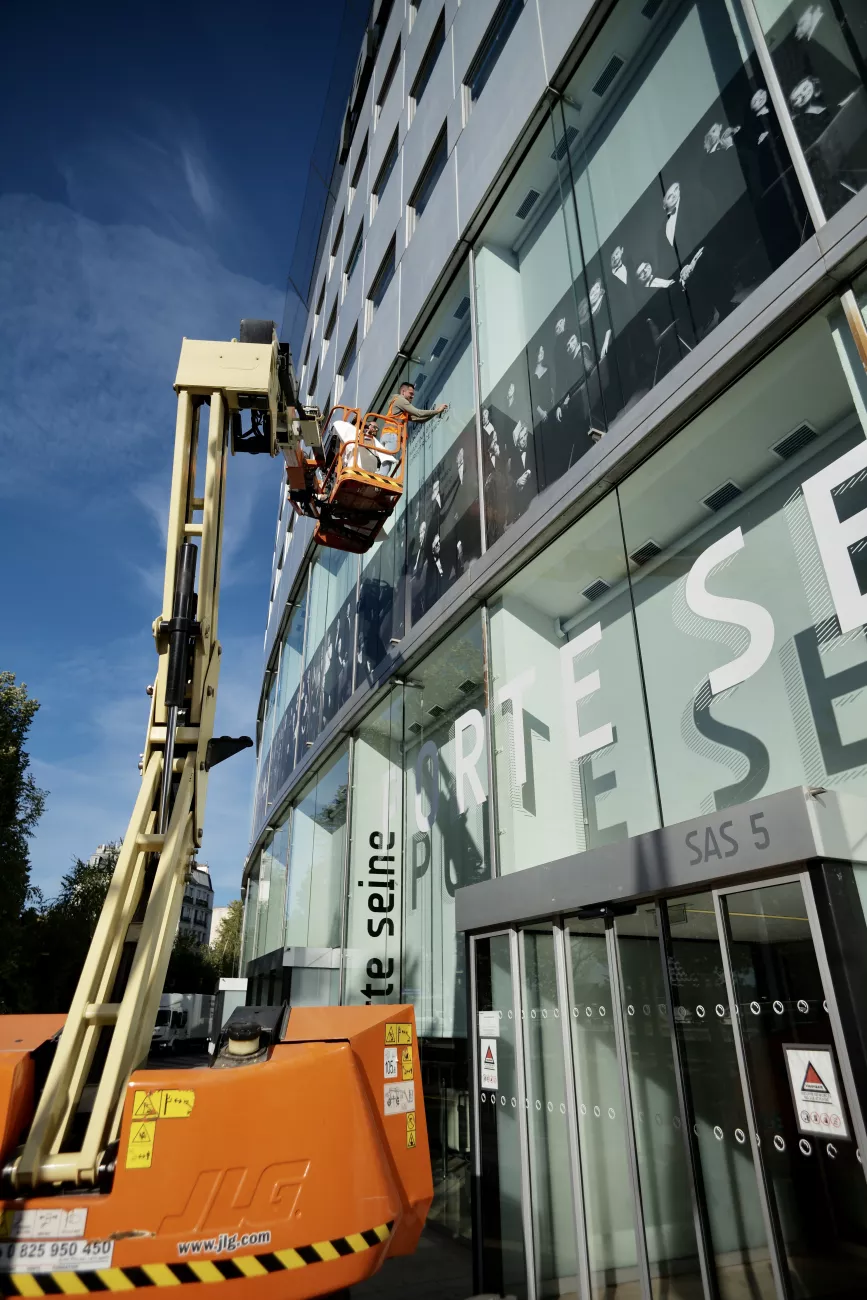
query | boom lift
[296, 1163]
[353, 483]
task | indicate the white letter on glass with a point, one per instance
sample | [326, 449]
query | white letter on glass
[465, 764]
[725, 609]
[834, 538]
[428, 750]
[514, 691]
[574, 692]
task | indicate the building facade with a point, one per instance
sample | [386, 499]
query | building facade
[197, 905]
[625, 592]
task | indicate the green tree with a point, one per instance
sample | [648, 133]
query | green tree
[226, 948]
[21, 805]
[190, 967]
[65, 928]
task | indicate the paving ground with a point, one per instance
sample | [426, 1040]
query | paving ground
[439, 1270]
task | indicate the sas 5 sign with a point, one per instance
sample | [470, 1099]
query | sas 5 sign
[721, 841]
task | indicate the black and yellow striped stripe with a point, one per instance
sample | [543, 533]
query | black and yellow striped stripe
[191, 1270]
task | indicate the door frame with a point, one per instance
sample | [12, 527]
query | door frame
[559, 925]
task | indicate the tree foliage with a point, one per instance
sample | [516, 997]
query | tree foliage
[226, 948]
[21, 805]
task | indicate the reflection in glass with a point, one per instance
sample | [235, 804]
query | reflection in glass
[602, 1130]
[326, 683]
[316, 884]
[442, 484]
[446, 823]
[805, 1130]
[737, 1242]
[502, 1228]
[663, 1170]
[757, 697]
[819, 50]
[648, 208]
[272, 891]
[573, 763]
[251, 912]
[550, 1173]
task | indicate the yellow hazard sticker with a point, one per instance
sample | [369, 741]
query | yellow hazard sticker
[167, 1103]
[140, 1148]
[397, 1034]
[177, 1103]
[410, 1129]
[406, 1062]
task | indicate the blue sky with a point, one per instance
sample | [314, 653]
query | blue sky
[151, 187]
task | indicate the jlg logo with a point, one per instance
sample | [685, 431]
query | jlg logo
[219, 1194]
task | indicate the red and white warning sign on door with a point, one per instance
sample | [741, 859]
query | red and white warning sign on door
[815, 1091]
[488, 1053]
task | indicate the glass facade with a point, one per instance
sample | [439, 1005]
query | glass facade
[692, 640]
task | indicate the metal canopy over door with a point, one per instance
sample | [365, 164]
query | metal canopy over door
[677, 1117]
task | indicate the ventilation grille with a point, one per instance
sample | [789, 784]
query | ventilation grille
[462, 308]
[651, 9]
[648, 551]
[609, 72]
[530, 198]
[415, 728]
[419, 380]
[596, 589]
[677, 914]
[435, 711]
[438, 347]
[794, 441]
[564, 143]
[469, 687]
[722, 496]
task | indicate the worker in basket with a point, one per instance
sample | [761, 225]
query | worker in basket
[401, 405]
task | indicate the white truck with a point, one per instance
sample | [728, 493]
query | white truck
[183, 1021]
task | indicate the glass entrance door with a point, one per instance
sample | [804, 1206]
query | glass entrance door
[670, 1113]
[811, 1162]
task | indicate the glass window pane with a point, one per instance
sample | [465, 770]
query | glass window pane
[685, 196]
[502, 1227]
[602, 1132]
[647, 209]
[283, 745]
[373, 939]
[446, 776]
[327, 677]
[572, 755]
[522, 268]
[442, 468]
[550, 1168]
[663, 1170]
[315, 890]
[271, 923]
[749, 583]
[820, 57]
[251, 910]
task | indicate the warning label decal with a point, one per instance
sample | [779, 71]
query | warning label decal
[488, 1053]
[410, 1129]
[167, 1103]
[140, 1149]
[815, 1091]
[397, 1034]
[406, 1062]
[398, 1098]
[390, 1063]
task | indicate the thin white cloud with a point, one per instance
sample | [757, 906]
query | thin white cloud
[200, 186]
